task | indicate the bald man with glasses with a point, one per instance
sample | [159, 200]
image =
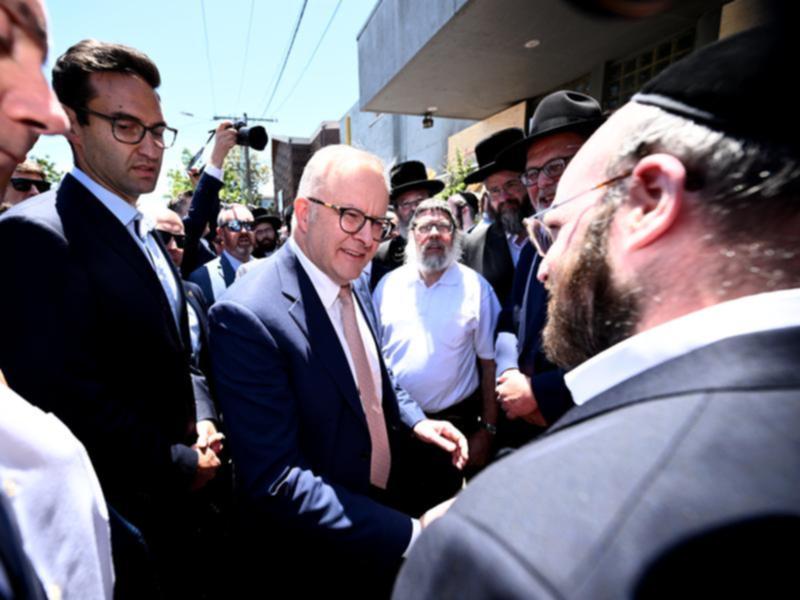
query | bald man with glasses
[319, 433]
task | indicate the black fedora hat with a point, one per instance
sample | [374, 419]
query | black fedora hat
[556, 113]
[486, 152]
[260, 215]
[412, 175]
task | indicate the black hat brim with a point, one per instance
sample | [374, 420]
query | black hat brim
[518, 151]
[271, 219]
[432, 186]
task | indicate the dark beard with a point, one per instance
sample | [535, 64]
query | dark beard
[511, 214]
[587, 312]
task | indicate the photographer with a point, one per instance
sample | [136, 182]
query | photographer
[204, 208]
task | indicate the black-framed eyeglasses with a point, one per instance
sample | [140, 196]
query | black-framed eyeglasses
[509, 187]
[168, 236]
[351, 220]
[130, 130]
[23, 184]
[440, 227]
[552, 168]
[541, 235]
[236, 225]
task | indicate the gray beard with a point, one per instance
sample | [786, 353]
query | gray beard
[433, 263]
[511, 223]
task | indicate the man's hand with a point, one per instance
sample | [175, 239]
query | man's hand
[447, 437]
[480, 446]
[515, 395]
[434, 513]
[224, 140]
[207, 465]
[209, 437]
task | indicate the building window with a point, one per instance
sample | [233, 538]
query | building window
[625, 77]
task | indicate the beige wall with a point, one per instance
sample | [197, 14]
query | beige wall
[742, 14]
[467, 139]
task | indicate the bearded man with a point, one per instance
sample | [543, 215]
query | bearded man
[670, 254]
[438, 316]
[493, 249]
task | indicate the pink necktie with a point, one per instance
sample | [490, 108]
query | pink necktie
[381, 460]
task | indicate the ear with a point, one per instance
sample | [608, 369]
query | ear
[72, 134]
[656, 196]
[302, 211]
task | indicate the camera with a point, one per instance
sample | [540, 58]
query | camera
[255, 137]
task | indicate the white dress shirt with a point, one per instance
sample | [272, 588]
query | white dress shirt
[128, 215]
[52, 488]
[328, 292]
[750, 314]
[431, 335]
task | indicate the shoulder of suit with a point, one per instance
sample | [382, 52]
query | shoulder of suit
[38, 211]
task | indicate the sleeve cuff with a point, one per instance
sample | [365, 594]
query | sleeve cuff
[416, 529]
[506, 352]
[215, 172]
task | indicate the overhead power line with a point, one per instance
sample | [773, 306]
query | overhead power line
[310, 60]
[208, 56]
[246, 51]
[286, 57]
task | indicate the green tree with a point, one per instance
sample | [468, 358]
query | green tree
[455, 172]
[52, 173]
[233, 190]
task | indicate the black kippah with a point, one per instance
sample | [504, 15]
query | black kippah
[738, 85]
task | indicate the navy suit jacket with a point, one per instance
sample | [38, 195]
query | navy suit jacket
[96, 343]
[220, 269]
[295, 424]
[525, 316]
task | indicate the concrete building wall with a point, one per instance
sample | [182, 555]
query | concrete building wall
[397, 138]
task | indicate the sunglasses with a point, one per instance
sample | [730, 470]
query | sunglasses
[236, 225]
[167, 236]
[23, 184]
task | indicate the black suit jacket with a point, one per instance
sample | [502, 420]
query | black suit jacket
[202, 211]
[390, 255]
[96, 343]
[486, 251]
[684, 479]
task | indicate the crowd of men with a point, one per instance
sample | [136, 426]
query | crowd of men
[584, 385]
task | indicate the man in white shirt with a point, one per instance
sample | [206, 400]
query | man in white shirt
[318, 431]
[438, 320]
[671, 257]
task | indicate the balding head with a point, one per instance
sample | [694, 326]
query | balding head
[341, 177]
[170, 228]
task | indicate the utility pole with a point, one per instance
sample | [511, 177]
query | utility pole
[248, 180]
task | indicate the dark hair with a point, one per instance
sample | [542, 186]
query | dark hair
[73, 68]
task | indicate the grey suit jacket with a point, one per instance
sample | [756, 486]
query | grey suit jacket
[486, 251]
[683, 479]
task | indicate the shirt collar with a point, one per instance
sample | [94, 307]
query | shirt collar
[449, 277]
[121, 209]
[750, 314]
[234, 262]
[327, 289]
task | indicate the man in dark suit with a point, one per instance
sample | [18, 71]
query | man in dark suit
[493, 250]
[317, 429]
[671, 259]
[531, 388]
[100, 325]
[235, 229]
[409, 187]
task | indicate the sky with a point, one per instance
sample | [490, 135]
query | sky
[230, 74]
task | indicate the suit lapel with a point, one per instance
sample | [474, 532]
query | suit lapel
[87, 222]
[748, 362]
[309, 314]
[228, 274]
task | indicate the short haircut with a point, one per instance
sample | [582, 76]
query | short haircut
[433, 205]
[30, 167]
[73, 68]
